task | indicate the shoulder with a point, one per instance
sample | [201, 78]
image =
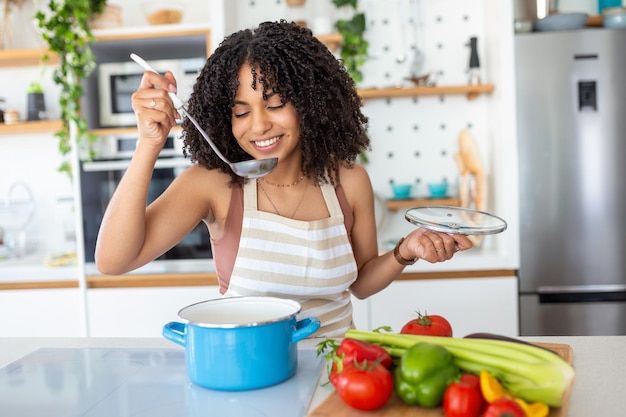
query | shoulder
[356, 183]
[209, 188]
[202, 176]
[353, 176]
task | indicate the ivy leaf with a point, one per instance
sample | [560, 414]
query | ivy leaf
[65, 28]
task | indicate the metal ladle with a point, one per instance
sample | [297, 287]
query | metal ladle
[252, 168]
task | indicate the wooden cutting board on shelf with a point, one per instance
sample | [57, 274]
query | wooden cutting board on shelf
[333, 406]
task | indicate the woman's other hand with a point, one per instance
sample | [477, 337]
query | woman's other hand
[433, 246]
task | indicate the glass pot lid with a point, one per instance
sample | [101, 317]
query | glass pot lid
[456, 220]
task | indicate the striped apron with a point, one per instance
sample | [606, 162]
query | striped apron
[309, 262]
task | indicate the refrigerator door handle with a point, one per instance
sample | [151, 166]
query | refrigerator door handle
[581, 293]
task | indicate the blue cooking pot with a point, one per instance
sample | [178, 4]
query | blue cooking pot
[240, 343]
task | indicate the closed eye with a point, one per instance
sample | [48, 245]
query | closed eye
[280, 106]
[240, 115]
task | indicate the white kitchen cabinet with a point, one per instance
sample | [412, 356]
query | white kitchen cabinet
[139, 312]
[470, 304]
[41, 313]
[360, 313]
[142, 312]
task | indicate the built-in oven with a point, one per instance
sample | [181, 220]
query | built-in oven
[100, 176]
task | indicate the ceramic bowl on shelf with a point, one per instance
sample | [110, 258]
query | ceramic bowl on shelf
[163, 12]
[523, 26]
[401, 191]
[614, 17]
[438, 189]
[111, 17]
[561, 21]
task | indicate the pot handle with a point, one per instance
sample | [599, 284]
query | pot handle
[175, 332]
[305, 328]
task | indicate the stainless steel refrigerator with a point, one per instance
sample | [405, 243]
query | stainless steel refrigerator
[571, 106]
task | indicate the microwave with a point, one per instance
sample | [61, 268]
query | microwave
[117, 81]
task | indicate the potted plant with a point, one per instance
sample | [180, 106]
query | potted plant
[354, 47]
[36, 105]
[65, 28]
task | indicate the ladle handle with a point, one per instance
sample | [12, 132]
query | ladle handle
[204, 135]
[178, 103]
[180, 106]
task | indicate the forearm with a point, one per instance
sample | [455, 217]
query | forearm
[122, 231]
[379, 271]
[376, 275]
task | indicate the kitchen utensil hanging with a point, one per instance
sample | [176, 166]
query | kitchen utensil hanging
[417, 64]
[455, 220]
[402, 56]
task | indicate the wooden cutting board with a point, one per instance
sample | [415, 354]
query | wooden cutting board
[333, 406]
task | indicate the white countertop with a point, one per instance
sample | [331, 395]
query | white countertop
[599, 362]
[32, 268]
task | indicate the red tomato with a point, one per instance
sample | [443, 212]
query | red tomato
[472, 380]
[463, 399]
[428, 325]
[364, 385]
[504, 407]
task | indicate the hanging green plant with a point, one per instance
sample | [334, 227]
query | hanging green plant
[354, 46]
[64, 25]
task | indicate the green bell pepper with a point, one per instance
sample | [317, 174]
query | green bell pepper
[424, 373]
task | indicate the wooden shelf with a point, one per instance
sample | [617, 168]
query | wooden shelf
[164, 34]
[25, 57]
[32, 57]
[108, 131]
[333, 40]
[147, 32]
[39, 126]
[471, 91]
[395, 205]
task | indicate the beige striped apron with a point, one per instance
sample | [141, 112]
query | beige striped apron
[309, 262]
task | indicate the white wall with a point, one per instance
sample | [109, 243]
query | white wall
[412, 140]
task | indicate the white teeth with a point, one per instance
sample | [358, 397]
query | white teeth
[268, 142]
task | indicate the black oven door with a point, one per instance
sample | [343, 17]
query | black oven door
[98, 181]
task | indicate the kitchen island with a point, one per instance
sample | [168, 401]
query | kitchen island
[599, 361]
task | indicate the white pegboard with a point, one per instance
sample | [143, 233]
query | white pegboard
[441, 29]
[414, 139]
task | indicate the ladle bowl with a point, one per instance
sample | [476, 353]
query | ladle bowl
[252, 168]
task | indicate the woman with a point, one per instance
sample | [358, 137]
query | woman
[306, 230]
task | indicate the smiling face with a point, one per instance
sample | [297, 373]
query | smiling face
[263, 128]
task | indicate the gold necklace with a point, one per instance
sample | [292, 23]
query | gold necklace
[274, 205]
[296, 182]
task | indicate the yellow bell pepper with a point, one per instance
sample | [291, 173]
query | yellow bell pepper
[491, 387]
[493, 390]
[535, 409]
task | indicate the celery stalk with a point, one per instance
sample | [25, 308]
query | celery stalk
[528, 372]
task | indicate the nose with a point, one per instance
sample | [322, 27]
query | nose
[260, 123]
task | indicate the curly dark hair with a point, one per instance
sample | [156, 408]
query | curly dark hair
[287, 59]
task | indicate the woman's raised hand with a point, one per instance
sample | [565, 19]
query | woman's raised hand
[156, 114]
